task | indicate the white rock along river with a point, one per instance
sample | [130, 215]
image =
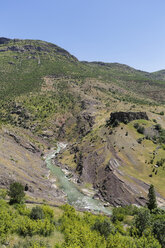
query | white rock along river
[74, 196]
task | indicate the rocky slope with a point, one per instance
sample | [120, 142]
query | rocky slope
[114, 163]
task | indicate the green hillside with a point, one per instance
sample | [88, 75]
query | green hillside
[26, 67]
[24, 63]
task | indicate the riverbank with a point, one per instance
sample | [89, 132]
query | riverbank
[74, 196]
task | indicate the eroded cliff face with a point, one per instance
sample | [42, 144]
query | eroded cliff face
[126, 117]
[106, 177]
[112, 161]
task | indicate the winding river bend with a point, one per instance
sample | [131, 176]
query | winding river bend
[74, 196]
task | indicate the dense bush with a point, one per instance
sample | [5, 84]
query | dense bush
[37, 213]
[48, 212]
[104, 227]
[80, 230]
[16, 192]
[140, 129]
[142, 220]
[120, 212]
[119, 241]
[160, 162]
[6, 222]
[32, 243]
[29, 227]
[136, 125]
[16, 219]
[140, 140]
[158, 127]
[84, 230]
[159, 229]
[3, 193]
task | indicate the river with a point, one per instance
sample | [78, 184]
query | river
[74, 196]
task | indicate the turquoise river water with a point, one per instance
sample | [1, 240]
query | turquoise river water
[74, 196]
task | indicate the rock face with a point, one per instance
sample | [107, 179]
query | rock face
[107, 180]
[85, 122]
[126, 117]
[28, 146]
[4, 40]
[119, 192]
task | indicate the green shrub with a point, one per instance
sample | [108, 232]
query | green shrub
[123, 211]
[159, 229]
[16, 192]
[119, 241]
[37, 213]
[117, 217]
[30, 227]
[160, 162]
[158, 127]
[104, 227]
[136, 125]
[142, 220]
[22, 209]
[29, 242]
[3, 193]
[48, 212]
[140, 140]
[140, 129]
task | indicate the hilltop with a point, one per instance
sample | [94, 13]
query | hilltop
[47, 95]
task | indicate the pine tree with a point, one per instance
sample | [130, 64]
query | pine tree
[151, 198]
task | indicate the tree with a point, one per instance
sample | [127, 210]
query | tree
[37, 213]
[142, 220]
[16, 192]
[104, 227]
[151, 198]
[159, 229]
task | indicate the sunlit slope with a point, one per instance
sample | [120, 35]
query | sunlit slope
[24, 63]
[49, 93]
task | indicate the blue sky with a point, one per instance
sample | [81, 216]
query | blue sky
[131, 32]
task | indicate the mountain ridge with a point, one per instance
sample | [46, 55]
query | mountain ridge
[5, 40]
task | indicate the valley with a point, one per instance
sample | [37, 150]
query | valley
[47, 96]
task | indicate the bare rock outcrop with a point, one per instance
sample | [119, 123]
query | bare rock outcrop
[4, 40]
[27, 145]
[85, 122]
[126, 117]
[107, 180]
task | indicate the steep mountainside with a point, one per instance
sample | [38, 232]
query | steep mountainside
[47, 95]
